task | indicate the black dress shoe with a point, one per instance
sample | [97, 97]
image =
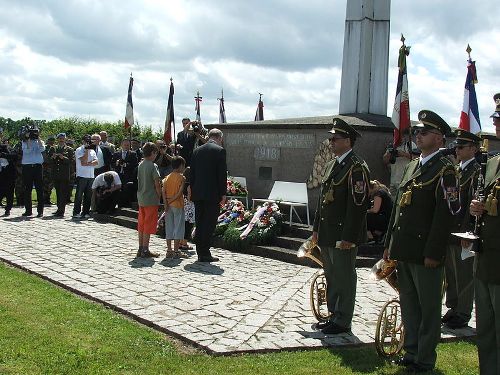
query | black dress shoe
[334, 328]
[40, 214]
[208, 259]
[27, 214]
[322, 325]
[456, 322]
[415, 368]
[7, 213]
[449, 315]
[402, 361]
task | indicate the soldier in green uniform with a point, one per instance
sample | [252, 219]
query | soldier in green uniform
[19, 187]
[48, 182]
[340, 225]
[487, 281]
[72, 174]
[459, 272]
[417, 237]
[61, 158]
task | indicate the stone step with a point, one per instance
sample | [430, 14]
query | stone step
[128, 212]
[120, 220]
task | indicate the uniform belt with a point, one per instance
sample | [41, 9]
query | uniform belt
[31, 165]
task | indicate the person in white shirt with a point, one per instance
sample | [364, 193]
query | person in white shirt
[106, 192]
[86, 160]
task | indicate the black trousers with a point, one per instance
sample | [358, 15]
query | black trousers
[62, 189]
[7, 190]
[206, 220]
[108, 202]
[33, 175]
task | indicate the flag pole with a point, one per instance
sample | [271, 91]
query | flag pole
[130, 130]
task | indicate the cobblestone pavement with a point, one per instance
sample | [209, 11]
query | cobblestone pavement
[242, 303]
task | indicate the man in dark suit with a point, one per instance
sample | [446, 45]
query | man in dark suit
[340, 225]
[421, 221]
[208, 184]
[104, 155]
[192, 136]
[125, 163]
[487, 281]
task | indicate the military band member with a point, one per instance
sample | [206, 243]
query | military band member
[61, 157]
[48, 182]
[487, 281]
[422, 215]
[340, 225]
[459, 272]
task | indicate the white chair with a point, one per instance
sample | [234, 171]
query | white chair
[293, 194]
[243, 182]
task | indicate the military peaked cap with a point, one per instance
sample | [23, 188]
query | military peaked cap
[496, 98]
[464, 137]
[432, 121]
[343, 128]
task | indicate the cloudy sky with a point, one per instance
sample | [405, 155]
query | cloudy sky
[74, 57]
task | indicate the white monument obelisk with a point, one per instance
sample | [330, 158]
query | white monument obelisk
[366, 57]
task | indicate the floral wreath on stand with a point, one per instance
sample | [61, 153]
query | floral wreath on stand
[232, 211]
[264, 226]
[235, 188]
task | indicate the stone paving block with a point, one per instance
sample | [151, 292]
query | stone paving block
[242, 303]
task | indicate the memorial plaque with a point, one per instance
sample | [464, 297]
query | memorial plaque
[266, 153]
[277, 140]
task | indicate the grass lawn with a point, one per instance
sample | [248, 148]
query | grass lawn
[47, 330]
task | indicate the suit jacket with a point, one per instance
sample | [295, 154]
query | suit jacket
[127, 170]
[208, 173]
[420, 226]
[187, 142]
[107, 156]
[343, 201]
[488, 258]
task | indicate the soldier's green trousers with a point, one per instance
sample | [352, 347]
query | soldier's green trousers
[340, 273]
[460, 283]
[488, 327]
[420, 291]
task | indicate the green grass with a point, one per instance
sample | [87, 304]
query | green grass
[47, 330]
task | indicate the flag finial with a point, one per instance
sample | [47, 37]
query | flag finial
[130, 74]
[403, 39]
[171, 79]
[468, 50]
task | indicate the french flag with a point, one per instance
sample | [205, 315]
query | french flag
[129, 111]
[469, 118]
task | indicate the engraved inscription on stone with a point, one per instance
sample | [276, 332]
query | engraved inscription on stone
[267, 153]
[279, 140]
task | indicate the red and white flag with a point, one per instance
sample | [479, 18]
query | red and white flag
[129, 111]
[169, 119]
[401, 111]
[259, 114]
[469, 117]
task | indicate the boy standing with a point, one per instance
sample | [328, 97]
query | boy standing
[148, 198]
[173, 199]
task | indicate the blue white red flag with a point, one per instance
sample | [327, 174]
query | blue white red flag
[469, 118]
[222, 110]
[401, 111]
[197, 100]
[129, 111]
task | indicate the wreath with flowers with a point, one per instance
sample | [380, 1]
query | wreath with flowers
[263, 227]
[234, 188]
[232, 211]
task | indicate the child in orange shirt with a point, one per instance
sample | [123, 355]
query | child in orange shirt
[173, 200]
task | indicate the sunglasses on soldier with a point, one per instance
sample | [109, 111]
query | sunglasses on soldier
[423, 132]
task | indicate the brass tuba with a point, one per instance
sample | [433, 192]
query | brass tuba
[317, 295]
[389, 334]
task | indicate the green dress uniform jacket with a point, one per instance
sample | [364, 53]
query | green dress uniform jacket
[61, 168]
[488, 259]
[423, 212]
[343, 201]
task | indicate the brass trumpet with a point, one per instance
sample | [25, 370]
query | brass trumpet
[389, 333]
[317, 295]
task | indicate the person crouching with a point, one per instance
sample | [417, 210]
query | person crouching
[106, 192]
[173, 201]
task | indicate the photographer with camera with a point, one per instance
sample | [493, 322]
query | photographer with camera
[8, 159]
[32, 170]
[106, 192]
[125, 163]
[86, 160]
[164, 158]
[61, 157]
[397, 159]
[192, 136]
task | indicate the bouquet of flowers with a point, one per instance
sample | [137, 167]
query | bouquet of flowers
[232, 211]
[235, 188]
[265, 217]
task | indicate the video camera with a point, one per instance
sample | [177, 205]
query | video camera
[449, 150]
[195, 126]
[87, 143]
[393, 152]
[29, 132]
